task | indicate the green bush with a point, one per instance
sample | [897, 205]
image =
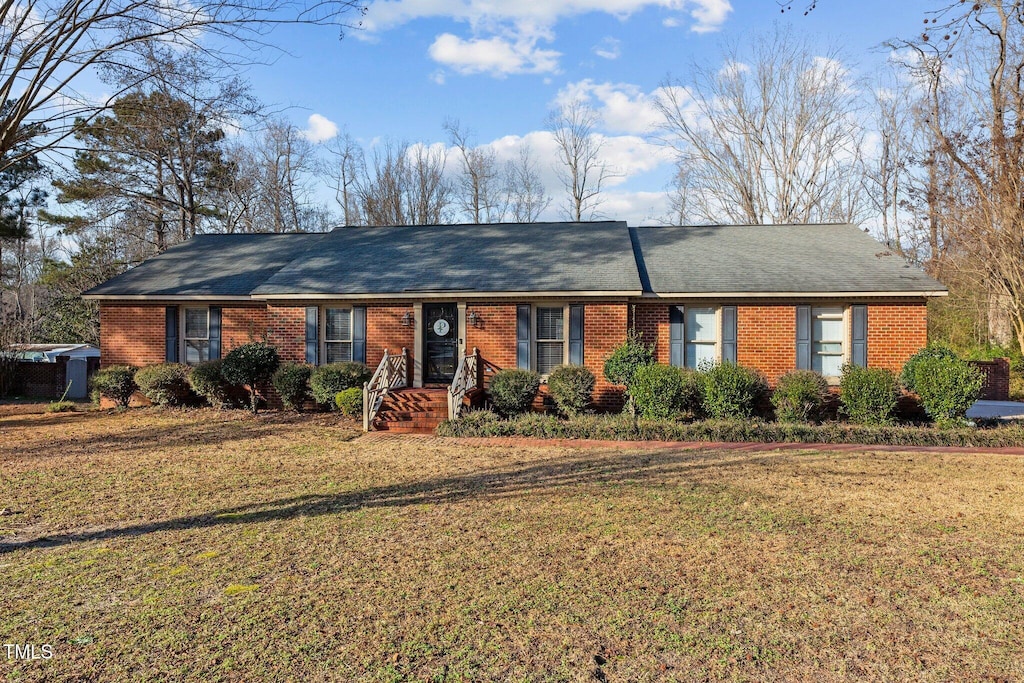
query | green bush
[731, 390]
[512, 390]
[116, 383]
[947, 388]
[663, 391]
[632, 355]
[868, 395]
[572, 388]
[909, 372]
[327, 380]
[61, 407]
[292, 384]
[207, 380]
[799, 396]
[165, 384]
[251, 365]
[350, 401]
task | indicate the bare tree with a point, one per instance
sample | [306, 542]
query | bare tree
[345, 166]
[478, 186]
[526, 197]
[405, 185]
[772, 141]
[49, 49]
[679, 196]
[580, 168]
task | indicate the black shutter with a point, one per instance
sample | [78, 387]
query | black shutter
[803, 337]
[312, 334]
[359, 333]
[171, 334]
[728, 334]
[676, 342]
[214, 332]
[523, 336]
[576, 334]
[860, 335]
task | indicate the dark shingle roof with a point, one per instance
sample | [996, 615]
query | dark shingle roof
[530, 257]
[210, 265]
[772, 259]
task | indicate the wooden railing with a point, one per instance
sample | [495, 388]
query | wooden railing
[391, 373]
[467, 378]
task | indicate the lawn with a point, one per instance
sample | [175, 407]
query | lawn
[160, 544]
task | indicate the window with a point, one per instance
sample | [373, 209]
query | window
[197, 335]
[337, 334]
[701, 330]
[827, 335]
[550, 336]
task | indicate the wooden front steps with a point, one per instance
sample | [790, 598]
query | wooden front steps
[412, 410]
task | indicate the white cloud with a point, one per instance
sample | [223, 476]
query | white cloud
[608, 48]
[496, 56]
[320, 129]
[710, 15]
[622, 107]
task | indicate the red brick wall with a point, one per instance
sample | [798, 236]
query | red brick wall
[286, 329]
[766, 338]
[651, 320]
[495, 333]
[896, 331]
[132, 334]
[241, 325]
[604, 328]
[384, 330]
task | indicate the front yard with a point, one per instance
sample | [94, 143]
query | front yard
[160, 544]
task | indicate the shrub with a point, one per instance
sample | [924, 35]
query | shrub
[622, 365]
[207, 381]
[512, 390]
[909, 372]
[731, 390]
[292, 383]
[868, 395]
[663, 391]
[571, 387]
[250, 365]
[165, 384]
[116, 383]
[947, 387]
[327, 380]
[799, 396]
[350, 401]
[61, 407]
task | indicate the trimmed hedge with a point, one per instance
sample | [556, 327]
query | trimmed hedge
[116, 383]
[663, 391]
[799, 396]
[947, 388]
[731, 390]
[572, 388]
[165, 384]
[909, 372]
[350, 402]
[292, 384]
[484, 423]
[327, 380]
[868, 395]
[207, 381]
[512, 390]
[251, 365]
[625, 360]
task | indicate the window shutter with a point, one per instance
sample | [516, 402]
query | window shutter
[214, 332]
[523, 337]
[359, 334]
[171, 334]
[312, 336]
[728, 334]
[576, 334]
[860, 335]
[676, 344]
[803, 337]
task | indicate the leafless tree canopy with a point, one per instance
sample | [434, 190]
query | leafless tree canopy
[769, 138]
[46, 47]
[581, 169]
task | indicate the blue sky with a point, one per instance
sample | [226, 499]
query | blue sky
[499, 66]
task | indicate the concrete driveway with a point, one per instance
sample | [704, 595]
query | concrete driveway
[1001, 410]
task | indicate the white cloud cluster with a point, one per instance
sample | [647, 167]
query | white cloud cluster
[504, 35]
[608, 48]
[622, 107]
[320, 129]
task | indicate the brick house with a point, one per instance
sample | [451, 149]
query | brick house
[774, 298]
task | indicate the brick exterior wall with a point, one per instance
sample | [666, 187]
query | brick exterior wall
[384, 330]
[604, 328]
[495, 333]
[286, 329]
[241, 325]
[896, 331]
[132, 334]
[766, 338]
[997, 378]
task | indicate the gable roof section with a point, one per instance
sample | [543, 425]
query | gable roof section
[772, 260]
[208, 266]
[503, 258]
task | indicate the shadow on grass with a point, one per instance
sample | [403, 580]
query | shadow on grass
[624, 468]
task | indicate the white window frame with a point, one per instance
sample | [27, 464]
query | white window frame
[534, 340]
[717, 310]
[846, 341]
[183, 343]
[322, 327]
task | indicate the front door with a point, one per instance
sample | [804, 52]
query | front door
[440, 342]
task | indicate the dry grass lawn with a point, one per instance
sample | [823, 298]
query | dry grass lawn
[156, 545]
